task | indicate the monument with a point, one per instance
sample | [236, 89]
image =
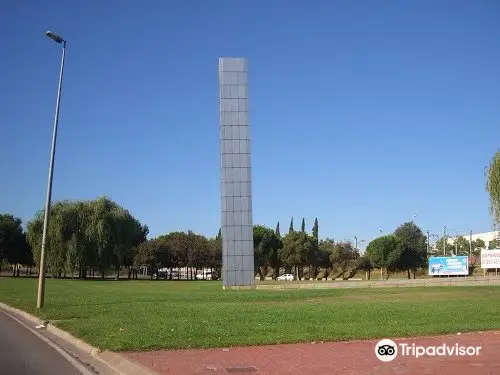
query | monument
[236, 176]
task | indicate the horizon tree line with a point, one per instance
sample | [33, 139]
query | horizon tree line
[99, 236]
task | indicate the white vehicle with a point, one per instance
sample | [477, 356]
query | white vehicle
[285, 277]
[208, 276]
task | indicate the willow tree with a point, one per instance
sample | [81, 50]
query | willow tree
[493, 187]
[85, 235]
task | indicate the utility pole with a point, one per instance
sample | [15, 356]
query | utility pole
[470, 246]
[428, 240]
[444, 242]
[456, 245]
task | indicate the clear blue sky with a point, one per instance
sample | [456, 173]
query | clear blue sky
[363, 113]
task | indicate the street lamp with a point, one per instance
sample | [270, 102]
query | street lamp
[358, 241]
[41, 274]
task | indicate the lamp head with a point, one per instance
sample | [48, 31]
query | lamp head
[54, 37]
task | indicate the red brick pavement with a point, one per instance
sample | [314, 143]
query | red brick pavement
[343, 358]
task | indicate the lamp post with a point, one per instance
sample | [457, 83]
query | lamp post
[360, 242]
[41, 275]
[356, 248]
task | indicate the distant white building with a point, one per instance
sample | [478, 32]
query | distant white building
[486, 237]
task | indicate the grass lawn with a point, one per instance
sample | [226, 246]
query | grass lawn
[140, 315]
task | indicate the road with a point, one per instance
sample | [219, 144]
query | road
[23, 353]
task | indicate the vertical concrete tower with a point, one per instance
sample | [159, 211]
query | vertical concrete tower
[236, 176]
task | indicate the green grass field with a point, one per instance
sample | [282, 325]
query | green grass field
[140, 315]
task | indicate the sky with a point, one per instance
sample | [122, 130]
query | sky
[365, 114]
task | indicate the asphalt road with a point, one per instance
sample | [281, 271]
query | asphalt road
[23, 353]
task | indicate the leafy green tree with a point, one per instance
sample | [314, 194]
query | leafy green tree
[296, 246]
[148, 255]
[478, 244]
[142, 232]
[13, 245]
[266, 246]
[493, 187]
[325, 249]
[344, 259]
[383, 252]
[413, 243]
[440, 247]
[303, 225]
[179, 246]
[314, 253]
[461, 246]
[85, 235]
[494, 244]
[198, 256]
[273, 255]
[215, 257]
[364, 263]
[315, 229]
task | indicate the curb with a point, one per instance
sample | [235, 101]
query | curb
[80, 344]
[115, 361]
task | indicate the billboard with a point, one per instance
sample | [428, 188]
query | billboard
[490, 258]
[444, 266]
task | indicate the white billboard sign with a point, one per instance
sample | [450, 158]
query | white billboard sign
[490, 258]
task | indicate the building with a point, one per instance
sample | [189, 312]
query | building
[487, 237]
[236, 181]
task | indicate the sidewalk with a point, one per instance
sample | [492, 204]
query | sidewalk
[343, 358]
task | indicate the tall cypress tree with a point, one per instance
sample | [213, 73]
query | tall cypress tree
[303, 226]
[278, 230]
[290, 230]
[315, 229]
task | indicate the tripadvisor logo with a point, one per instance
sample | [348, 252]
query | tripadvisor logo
[386, 350]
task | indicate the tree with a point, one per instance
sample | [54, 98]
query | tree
[413, 247]
[325, 248]
[383, 252]
[344, 259]
[290, 229]
[493, 187]
[440, 247]
[266, 246]
[303, 226]
[495, 244]
[461, 246]
[198, 256]
[364, 263]
[142, 232]
[478, 244]
[296, 246]
[313, 268]
[13, 244]
[178, 244]
[278, 230]
[273, 255]
[315, 229]
[84, 235]
[149, 255]
[215, 256]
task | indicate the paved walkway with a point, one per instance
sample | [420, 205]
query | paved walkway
[343, 358]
